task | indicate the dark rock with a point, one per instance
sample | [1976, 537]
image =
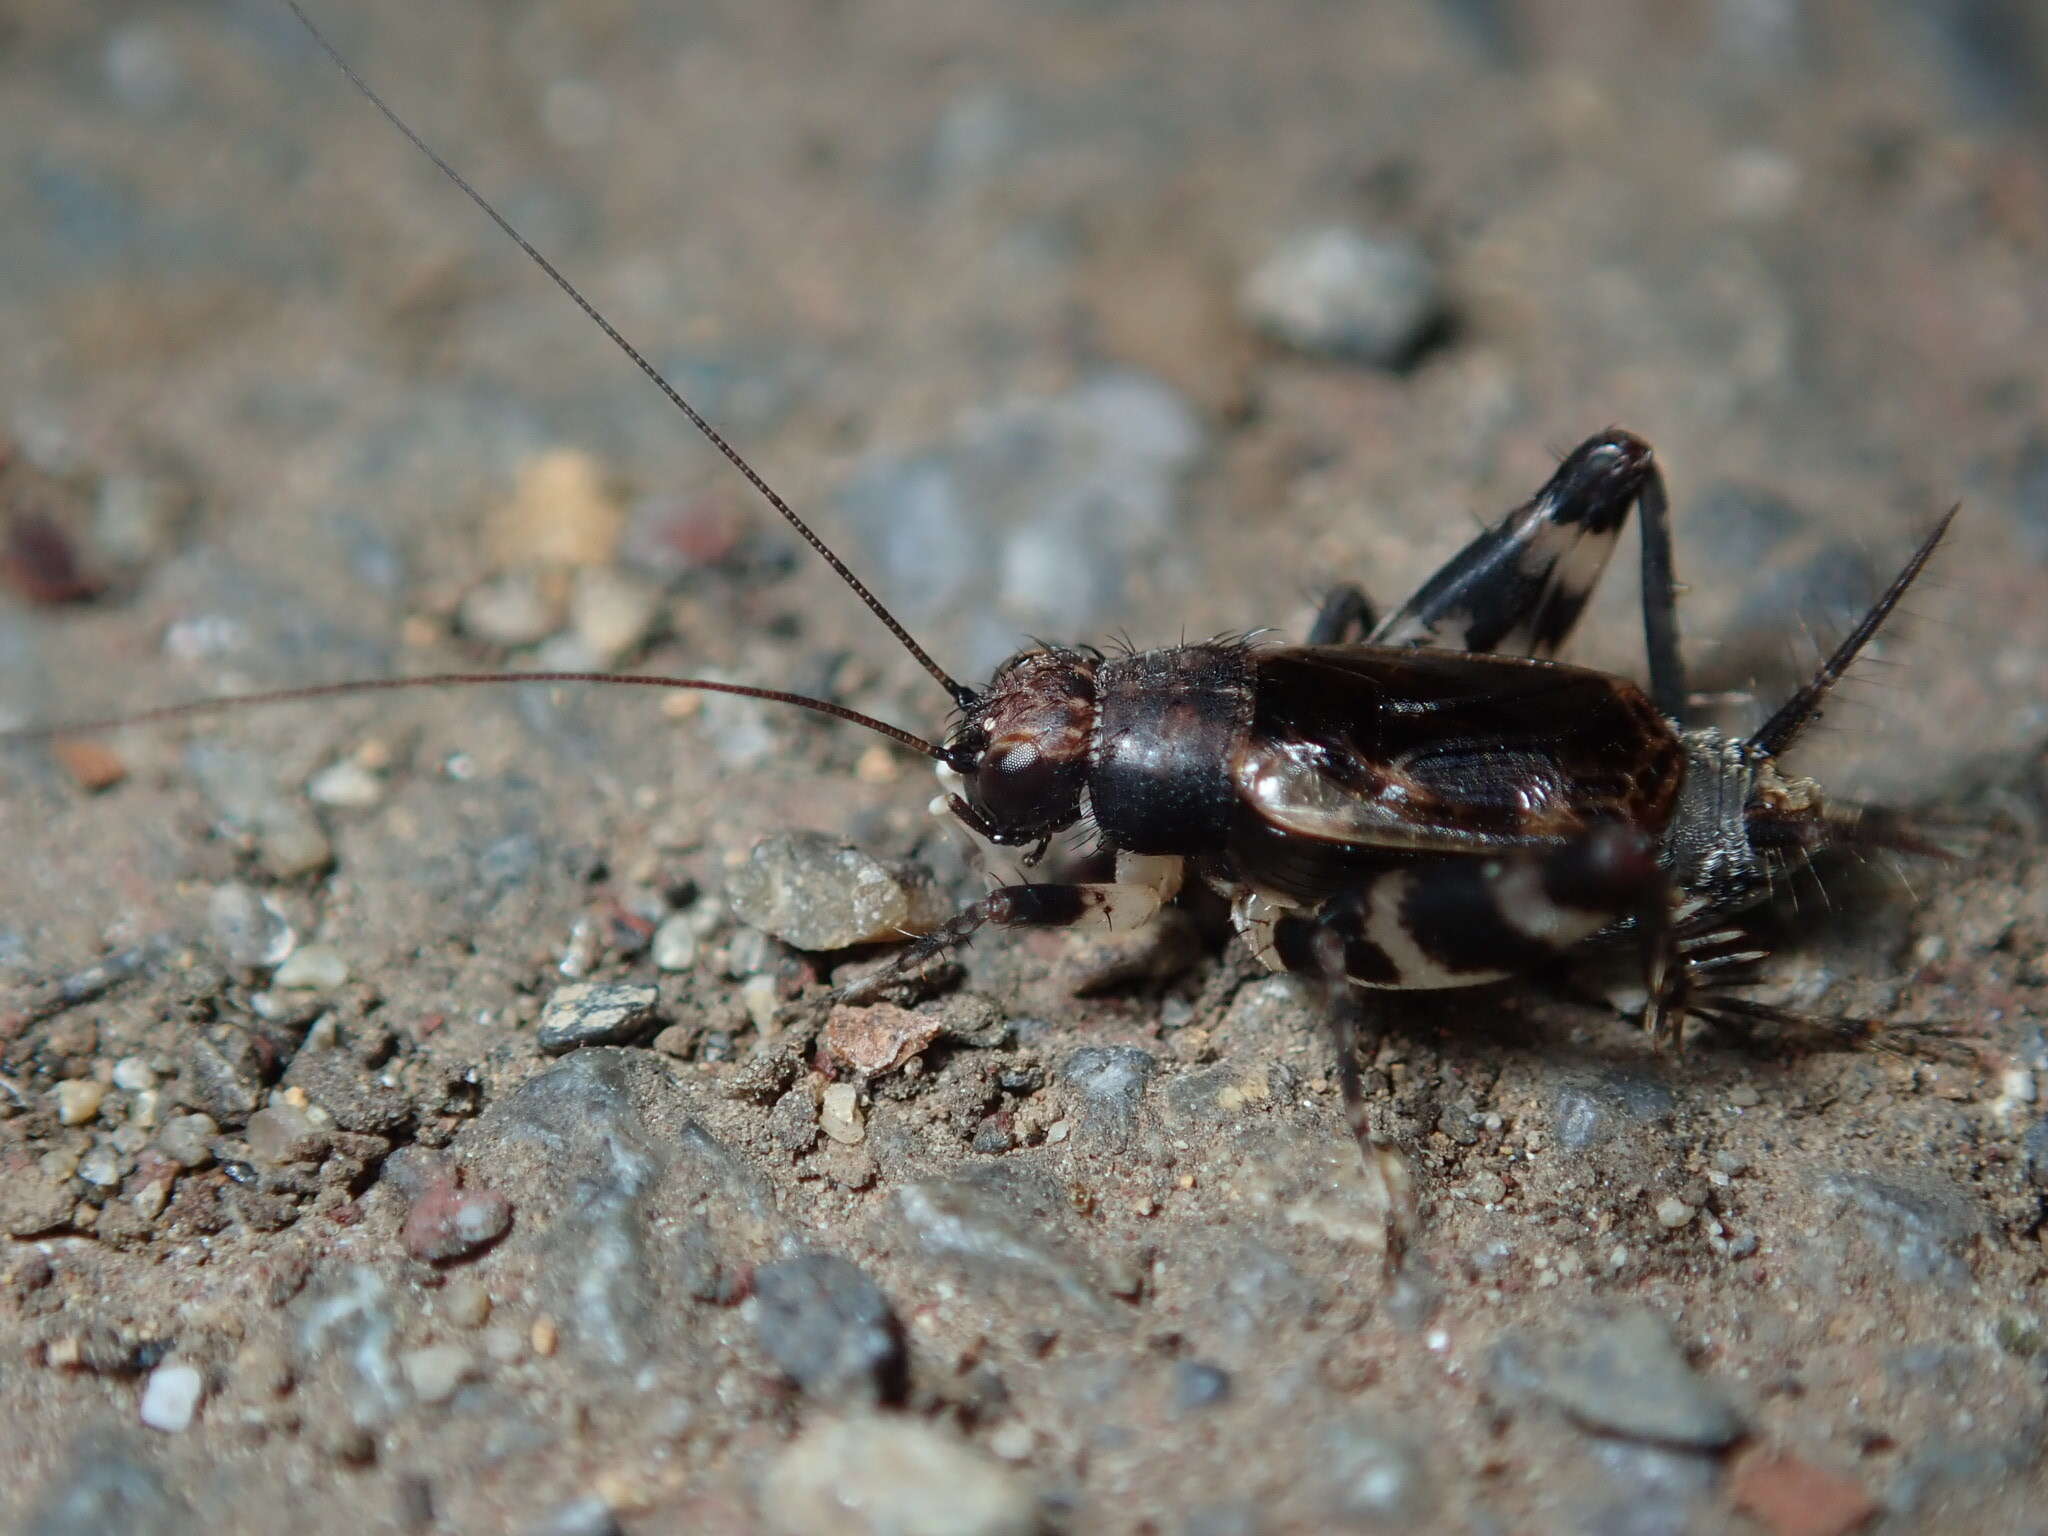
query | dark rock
[355, 1099]
[793, 1123]
[830, 1329]
[596, 1013]
[1590, 1111]
[1621, 1374]
[223, 1077]
[1108, 1082]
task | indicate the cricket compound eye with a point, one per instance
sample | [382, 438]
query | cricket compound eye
[1037, 721]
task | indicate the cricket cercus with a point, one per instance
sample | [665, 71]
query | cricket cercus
[1426, 800]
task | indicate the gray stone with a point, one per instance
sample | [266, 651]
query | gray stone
[1108, 1082]
[1198, 1385]
[1372, 1478]
[1653, 1490]
[1591, 1110]
[248, 930]
[1921, 1230]
[815, 893]
[892, 1477]
[587, 1516]
[1002, 1226]
[242, 787]
[110, 1488]
[349, 1317]
[829, 1328]
[576, 1146]
[1623, 1375]
[222, 1077]
[1338, 292]
[1031, 516]
[596, 1013]
[187, 1140]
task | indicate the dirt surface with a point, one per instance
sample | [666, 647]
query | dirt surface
[1078, 1242]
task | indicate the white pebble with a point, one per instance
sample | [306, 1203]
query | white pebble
[346, 784]
[171, 1398]
[675, 943]
[316, 968]
[1673, 1212]
[134, 1075]
[839, 1114]
[435, 1372]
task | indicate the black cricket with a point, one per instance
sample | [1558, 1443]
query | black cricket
[1425, 801]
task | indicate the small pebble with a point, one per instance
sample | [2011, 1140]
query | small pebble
[1488, 1189]
[466, 1304]
[612, 611]
[675, 943]
[595, 1013]
[435, 1372]
[815, 893]
[517, 608]
[1673, 1212]
[448, 1222]
[101, 1167]
[1013, 1441]
[171, 1397]
[316, 968]
[1337, 292]
[345, 785]
[248, 930]
[561, 513]
[79, 1101]
[839, 1114]
[134, 1075]
[892, 1477]
[187, 1140]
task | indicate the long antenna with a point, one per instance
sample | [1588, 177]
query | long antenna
[962, 695]
[464, 680]
[1803, 708]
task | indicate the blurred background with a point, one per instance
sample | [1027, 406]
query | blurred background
[1061, 318]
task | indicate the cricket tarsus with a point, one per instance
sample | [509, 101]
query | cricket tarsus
[468, 680]
[962, 695]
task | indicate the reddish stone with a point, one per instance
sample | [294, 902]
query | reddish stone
[1793, 1497]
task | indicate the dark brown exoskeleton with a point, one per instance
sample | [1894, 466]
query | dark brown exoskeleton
[1424, 802]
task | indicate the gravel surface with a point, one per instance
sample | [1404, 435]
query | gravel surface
[428, 1111]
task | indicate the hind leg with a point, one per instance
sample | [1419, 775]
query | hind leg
[1519, 588]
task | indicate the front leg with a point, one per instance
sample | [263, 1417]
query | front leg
[1345, 617]
[1133, 899]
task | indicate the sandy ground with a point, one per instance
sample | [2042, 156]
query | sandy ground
[966, 281]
